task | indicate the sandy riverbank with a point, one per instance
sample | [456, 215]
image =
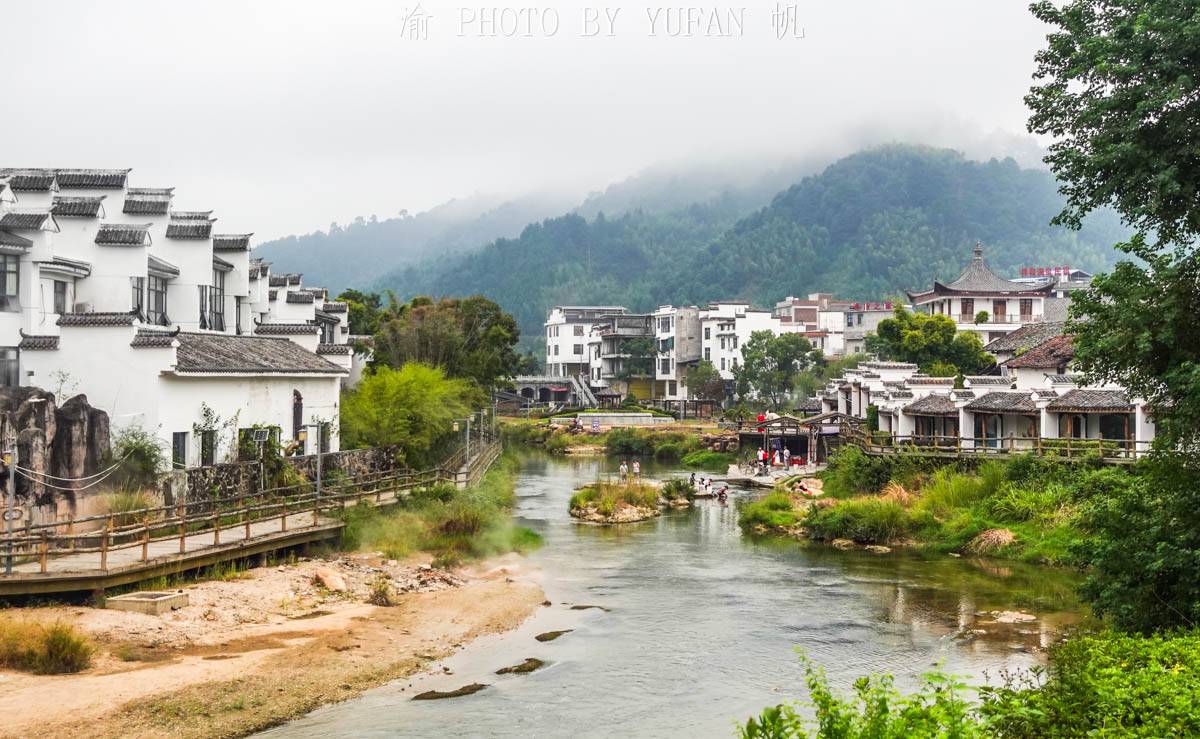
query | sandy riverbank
[253, 652]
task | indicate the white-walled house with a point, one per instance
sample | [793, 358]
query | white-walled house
[568, 328]
[111, 291]
[985, 303]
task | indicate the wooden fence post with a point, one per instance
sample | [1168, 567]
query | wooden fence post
[181, 511]
[283, 518]
[145, 537]
[245, 514]
[45, 545]
[104, 545]
[216, 526]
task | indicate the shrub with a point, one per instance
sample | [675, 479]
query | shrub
[864, 520]
[1105, 684]
[677, 488]
[124, 506]
[558, 443]
[948, 491]
[381, 592]
[140, 458]
[48, 650]
[939, 708]
[852, 471]
[635, 442]
[772, 512]
[708, 460]
[670, 451]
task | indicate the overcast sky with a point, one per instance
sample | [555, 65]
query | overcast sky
[286, 115]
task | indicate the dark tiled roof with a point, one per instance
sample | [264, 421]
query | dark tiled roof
[1055, 309]
[31, 220]
[299, 297]
[285, 329]
[14, 241]
[334, 349]
[978, 380]
[336, 307]
[87, 179]
[96, 319]
[947, 381]
[1057, 352]
[278, 281]
[979, 277]
[221, 264]
[1065, 379]
[192, 215]
[152, 339]
[123, 234]
[148, 200]
[1112, 401]
[71, 266]
[888, 365]
[29, 180]
[231, 242]
[293, 278]
[272, 294]
[154, 264]
[79, 207]
[38, 343]
[932, 405]
[189, 229]
[1026, 337]
[204, 353]
[901, 394]
[1000, 402]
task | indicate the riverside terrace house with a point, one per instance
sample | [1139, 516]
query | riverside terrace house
[111, 291]
[1036, 398]
[568, 328]
[836, 327]
[1008, 304]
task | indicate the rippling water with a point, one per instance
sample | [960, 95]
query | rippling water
[702, 626]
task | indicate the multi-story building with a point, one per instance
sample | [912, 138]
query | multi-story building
[725, 328]
[836, 327]
[985, 303]
[621, 356]
[678, 347]
[114, 292]
[568, 328]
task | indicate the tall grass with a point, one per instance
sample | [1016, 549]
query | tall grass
[772, 512]
[47, 650]
[708, 460]
[864, 520]
[455, 526]
[609, 496]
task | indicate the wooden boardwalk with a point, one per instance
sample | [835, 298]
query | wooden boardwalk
[166, 540]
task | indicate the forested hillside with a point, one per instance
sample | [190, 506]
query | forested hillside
[355, 254]
[868, 226]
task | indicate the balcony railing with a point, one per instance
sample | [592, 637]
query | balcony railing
[1002, 318]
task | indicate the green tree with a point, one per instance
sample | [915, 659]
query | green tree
[1119, 91]
[412, 408]
[932, 342]
[363, 310]
[770, 365]
[704, 381]
[640, 359]
[467, 337]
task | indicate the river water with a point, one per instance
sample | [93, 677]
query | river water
[702, 626]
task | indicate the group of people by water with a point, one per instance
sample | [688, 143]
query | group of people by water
[705, 487]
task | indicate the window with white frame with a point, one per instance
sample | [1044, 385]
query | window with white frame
[9, 282]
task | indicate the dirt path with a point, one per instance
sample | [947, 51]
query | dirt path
[255, 652]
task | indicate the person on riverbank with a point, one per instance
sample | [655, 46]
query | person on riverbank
[692, 480]
[637, 470]
[787, 459]
[623, 471]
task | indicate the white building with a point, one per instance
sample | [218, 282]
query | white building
[726, 327]
[568, 328]
[111, 291]
[985, 303]
[836, 327]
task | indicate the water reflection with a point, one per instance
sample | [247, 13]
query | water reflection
[702, 625]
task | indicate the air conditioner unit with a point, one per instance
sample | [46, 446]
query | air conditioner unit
[85, 308]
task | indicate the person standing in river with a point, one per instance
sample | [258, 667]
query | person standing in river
[637, 470]
[623, 470]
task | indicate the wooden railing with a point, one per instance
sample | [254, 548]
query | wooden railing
[297, 506]
[1108, 450]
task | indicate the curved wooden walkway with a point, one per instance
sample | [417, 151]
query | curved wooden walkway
[139, 545]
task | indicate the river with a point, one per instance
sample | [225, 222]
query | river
[702, 624]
